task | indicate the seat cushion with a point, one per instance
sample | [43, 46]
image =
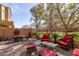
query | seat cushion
[44, 40]
[62, 43]
[75, 52]
[48, 52]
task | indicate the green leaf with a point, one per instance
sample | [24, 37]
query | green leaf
[71, 6]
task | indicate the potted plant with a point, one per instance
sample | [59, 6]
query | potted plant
[55, 36]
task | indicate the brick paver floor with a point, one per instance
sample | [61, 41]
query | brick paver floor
[13, 49]
[18, 49]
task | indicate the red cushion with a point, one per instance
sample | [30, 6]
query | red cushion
[16, 32]
[45, 37]
[75, 52]
[30, 46]
[44, 40]
[48, 52]
[62, 43]
[67, 37]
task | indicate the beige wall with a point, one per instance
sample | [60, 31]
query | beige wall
[6, 32]
[1, 33]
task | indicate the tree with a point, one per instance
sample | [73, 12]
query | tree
[67, 14]
[37, 12]
[51, 17]
[58, 16]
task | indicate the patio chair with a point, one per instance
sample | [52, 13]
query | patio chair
[15, 35]
[16, 32]
[66, 42]
[47, 52]
[45, 38]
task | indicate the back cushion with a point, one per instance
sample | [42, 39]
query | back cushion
[45, 36]
[16, 33]
[67, 37]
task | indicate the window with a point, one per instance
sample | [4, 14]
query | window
[3, 13]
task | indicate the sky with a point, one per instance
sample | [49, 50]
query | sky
[20, 13]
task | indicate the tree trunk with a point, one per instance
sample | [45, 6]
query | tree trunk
[50, 27]
[36, 28]
[66, 30]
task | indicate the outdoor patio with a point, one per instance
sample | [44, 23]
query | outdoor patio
[42, 29]
[18, 49]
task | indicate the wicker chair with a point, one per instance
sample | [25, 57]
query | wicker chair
[45, 38]
[66, 42]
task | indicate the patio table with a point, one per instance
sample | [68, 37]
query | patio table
[18, 38]
[38, 42]
[35, 41]
[50, 45]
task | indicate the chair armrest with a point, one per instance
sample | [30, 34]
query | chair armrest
[69, 41]
[60, 39]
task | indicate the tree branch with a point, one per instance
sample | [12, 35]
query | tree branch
[72, 15]
[74, 22]
[60, 15]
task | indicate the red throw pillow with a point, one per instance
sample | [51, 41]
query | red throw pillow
[30, 46]
[75, 52]
[48, 52]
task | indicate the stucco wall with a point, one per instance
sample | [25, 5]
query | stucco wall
[7, 32]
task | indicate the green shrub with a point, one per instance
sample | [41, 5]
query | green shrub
[41, 33]
[35, 34]
[55, 36]
[74, 35]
